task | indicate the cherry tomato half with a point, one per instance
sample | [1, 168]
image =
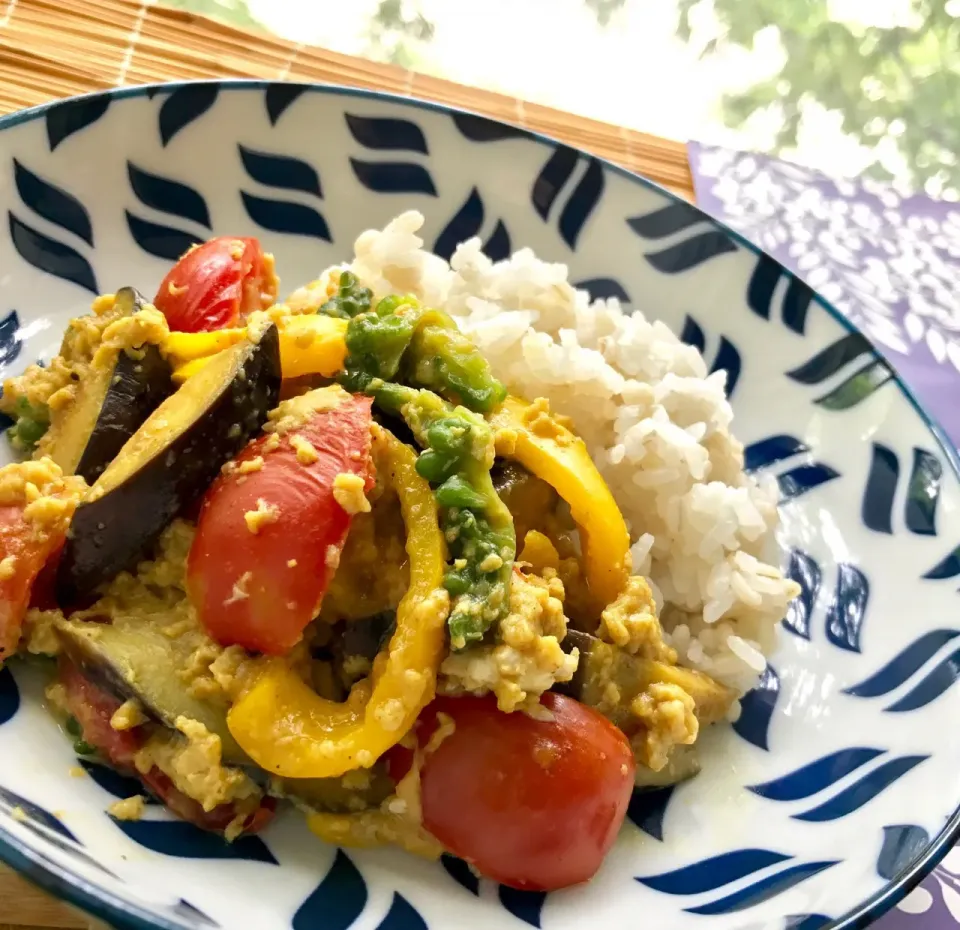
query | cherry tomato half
[93, 708]
[258, 582]
[30, 552]
[214, 284]
[533, 804]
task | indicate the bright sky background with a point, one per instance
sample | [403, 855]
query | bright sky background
[633, 72]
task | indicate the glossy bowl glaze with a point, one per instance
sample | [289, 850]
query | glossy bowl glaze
[838, 786]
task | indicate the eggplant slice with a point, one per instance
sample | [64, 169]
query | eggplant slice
[134, 658]
[112, 402]
[168, 464]
[602, 663]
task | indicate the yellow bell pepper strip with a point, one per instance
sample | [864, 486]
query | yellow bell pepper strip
[527, 434]
[185, 347]
[291, 731]
[309, 344]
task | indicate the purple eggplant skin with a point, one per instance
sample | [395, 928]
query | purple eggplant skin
[168, 464]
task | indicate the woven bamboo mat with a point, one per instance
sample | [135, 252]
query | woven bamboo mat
[57, 48]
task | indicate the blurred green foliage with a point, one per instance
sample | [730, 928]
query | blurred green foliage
[899, 86]
[396, 32]
[234, 12]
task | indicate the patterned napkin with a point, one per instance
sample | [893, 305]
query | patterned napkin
[891, 264]
[888, 262]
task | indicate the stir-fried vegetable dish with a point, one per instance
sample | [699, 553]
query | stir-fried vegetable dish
[314, 552]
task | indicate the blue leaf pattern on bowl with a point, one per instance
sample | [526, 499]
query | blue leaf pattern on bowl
[604, 289]
[53, 203]
[763, 890]
[769, 451]
[667, 221]
[497, 248]
[31, 813]
[877, 507]
[337, 901]
[10, 343]
[691, 253]
[282, 216]
[387, 134]
[402, 916]
[553, 176]
[904, 665]
[281, 171]
[648, 807]
[807, 922]
[862, 791]
[923, 493]
[854, 388]
[848, 607]
[816, 776]
[804, 478]
[802, 569]
[168, 196]
[392, 177]
[466, 223]
[524, 905]
[184, 840]
[164, 242]
[930, 687]
[902, 845]
[65, 119]
[120, 786]
[461, 873]
[51, 256]
[726, 359]
[278, 98]
[756, 709]
[692, 334]
[948, 567]
[583, 200]
[763, 283]
[480, 129]
[194, 914]
[718, 872]
[9, 696]
[714, 872]
[183, 106]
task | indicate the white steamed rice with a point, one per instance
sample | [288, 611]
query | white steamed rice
[656, 424]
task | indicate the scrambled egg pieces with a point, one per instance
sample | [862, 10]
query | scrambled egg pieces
[527, 660]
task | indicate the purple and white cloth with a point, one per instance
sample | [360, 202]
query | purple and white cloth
[891, 263]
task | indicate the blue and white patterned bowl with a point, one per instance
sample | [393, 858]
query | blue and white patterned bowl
[838, 787]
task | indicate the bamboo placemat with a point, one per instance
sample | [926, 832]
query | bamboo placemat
[57, 48]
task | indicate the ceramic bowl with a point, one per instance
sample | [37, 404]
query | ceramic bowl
[836, 790]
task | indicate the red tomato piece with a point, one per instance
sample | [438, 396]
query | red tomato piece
[93, 709]
[215, 284]
[533, 804]
[30, 551]
[259, 589]
[216, 820]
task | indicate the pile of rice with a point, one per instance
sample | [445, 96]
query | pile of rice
[656, 424]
